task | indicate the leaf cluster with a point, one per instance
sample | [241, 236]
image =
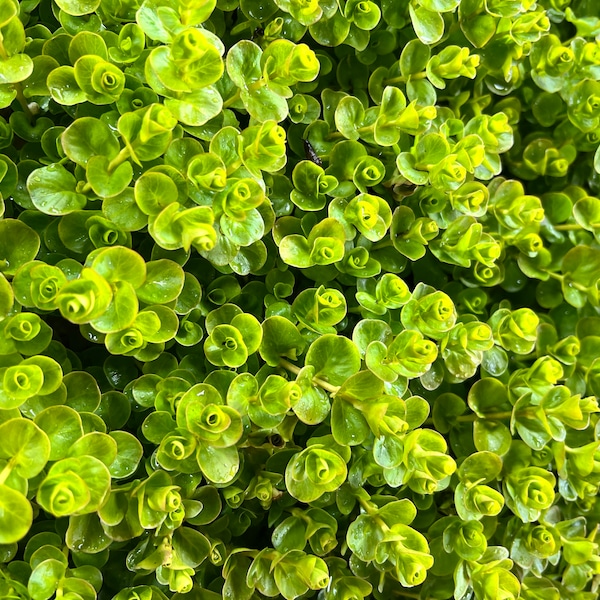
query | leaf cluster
[299, 299]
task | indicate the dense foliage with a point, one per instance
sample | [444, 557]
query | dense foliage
[299, 298]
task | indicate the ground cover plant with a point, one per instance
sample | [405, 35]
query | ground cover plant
[299, 299]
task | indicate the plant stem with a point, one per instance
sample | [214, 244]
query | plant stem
[492, 416]
[568, 227]
[382, 244]
[332, 389]
[356, 310]
[23, 102]
[5, 472]
[231, 100]
[470, 418]
[402, 79]
[367, 506]
[366, 129]
[286, 364]
[335, 135]
[118, 159]
[571, 284]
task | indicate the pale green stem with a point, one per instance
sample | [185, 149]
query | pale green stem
[382, 244]
[402, 79]
[367, 506]
[499, 416]
[231, 100]
[120, 158]
[5, 472]
[332, 389]
[336, 135]
[568, 227]
[356, 310]
[23, 102]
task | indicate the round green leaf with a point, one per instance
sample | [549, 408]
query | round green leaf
[96, 444]
[83, 393]
[63, 427]
[63, 87]
[78, 7]
[53, 190]
[129, 454]
[87, 137]
[107, 182]
[18, 244]
[335, 358]
[120, 264]
[163, 284]
[25, 445]
[219, 465]
[15, 68]
[16, 515]
[281, 339]
[7, 297]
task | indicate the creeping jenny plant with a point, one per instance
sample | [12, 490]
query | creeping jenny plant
[299, 299]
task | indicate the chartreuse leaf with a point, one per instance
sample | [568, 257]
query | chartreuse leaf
[313, 472]
[349, 116]
[19, 383]
[143, 592]
[324, 245]
[88, 137]
[261, 299]
[280, 339]
[107, 182]
[6, 297]
[219, 465]
[63, 86]
[130, 44]
[164, 281]
[53, 190]
[78, 7]
[120, 264]
[429, 25]
[74, 486]
[348, 424]
[83, 393]
[63, 427]
[16, 515]
[15, 68]
[480, 467]
[579, 266]
[122, 310]
[85, 298]
[101, 81]
[10, 9]
[25, 445]
[129, 453]
[334, 358]
[197, 107]
[18, 245]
